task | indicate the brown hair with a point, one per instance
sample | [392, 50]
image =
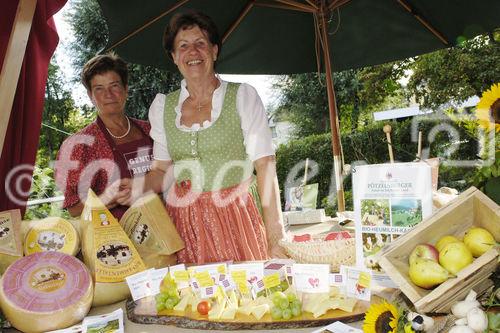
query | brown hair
[182, 21]
[104, 63]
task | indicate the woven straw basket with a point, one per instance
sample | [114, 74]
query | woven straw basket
[318, 251]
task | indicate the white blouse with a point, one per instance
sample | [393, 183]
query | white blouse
[257, 136]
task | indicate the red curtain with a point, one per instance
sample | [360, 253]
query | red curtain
[21, 139]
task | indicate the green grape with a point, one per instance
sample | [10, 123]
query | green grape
[261, 293]
[296, 310]
[172, 293]
[277, 297]
[276, 313]
[160, 298]
[175, 299]
[284, 304]
[295, 302]
[284, 285]
[291, 297]
[287, 314]
[169, 303]
[160, 307]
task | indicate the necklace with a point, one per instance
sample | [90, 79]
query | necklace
[124, 135]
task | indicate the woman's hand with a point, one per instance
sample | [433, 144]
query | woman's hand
[118, 193]
[277, 251]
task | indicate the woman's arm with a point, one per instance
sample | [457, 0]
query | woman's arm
[267, 183]
[157, 180]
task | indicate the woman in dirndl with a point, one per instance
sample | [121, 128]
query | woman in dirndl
[210, 138]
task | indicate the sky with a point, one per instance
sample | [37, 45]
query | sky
[263, 83]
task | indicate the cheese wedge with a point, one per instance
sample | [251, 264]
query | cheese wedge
[228, 314]
[108, 252]
[216, 311]
[183, 303]
[260, 310]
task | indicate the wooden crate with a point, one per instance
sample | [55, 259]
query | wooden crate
[471, 208]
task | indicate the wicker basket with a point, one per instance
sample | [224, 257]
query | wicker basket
[318, 251]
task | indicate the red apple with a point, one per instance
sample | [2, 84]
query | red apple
[424, 251]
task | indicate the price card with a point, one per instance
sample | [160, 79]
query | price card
[357, 282]
[180, 276]
[254, 271]
[212, 269]
[204, 279]
[208, 292]
[228, 284]
[157, 275]
[140, 284]
[240, 279]
[271, 280]
[311, 278]
[257, 286]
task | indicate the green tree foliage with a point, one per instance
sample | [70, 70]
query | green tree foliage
[358, 92]
[91, 36]
[456, 73]
[369, 146]
[60, 117]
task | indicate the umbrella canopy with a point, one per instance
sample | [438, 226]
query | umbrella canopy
[298, 36]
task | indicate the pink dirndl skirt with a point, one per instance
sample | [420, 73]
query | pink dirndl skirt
[217, 226]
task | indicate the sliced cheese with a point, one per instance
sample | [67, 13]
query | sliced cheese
[259, 311]
[11, 248]
[108, 252]
[216, 311]
[46, 291]
[51, 234]
[228, 314]
[183, 303]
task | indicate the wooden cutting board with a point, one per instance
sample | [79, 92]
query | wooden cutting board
[144, 312]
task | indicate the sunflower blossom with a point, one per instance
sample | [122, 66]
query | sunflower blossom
[381, 318]
[488, 109]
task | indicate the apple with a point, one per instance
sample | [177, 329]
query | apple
[424, 251]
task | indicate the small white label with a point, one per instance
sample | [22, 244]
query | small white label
[207, 292]
[357, 282]
[140, 284]
[157, 275]
[311, 278]
[92, 324]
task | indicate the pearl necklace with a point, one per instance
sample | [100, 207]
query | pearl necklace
[124, 135]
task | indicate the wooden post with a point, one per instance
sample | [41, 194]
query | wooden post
[419, 149]
[387, 131]
[14, 56]
[304, 182]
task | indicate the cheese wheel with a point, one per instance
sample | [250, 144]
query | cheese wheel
[46, 291]
[51, 234]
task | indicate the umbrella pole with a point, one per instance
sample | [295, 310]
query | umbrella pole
[332, 107]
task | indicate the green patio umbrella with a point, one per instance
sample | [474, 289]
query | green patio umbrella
[299, 36]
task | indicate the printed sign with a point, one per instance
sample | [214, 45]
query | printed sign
[311, 278]
[389, 200]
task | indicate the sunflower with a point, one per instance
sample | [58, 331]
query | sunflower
[381, 318]
[488, 109]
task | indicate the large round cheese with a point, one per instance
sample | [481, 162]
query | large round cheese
[46, 291]
[51, 234]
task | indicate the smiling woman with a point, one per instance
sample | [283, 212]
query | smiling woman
[108, 150]
[209, 137]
